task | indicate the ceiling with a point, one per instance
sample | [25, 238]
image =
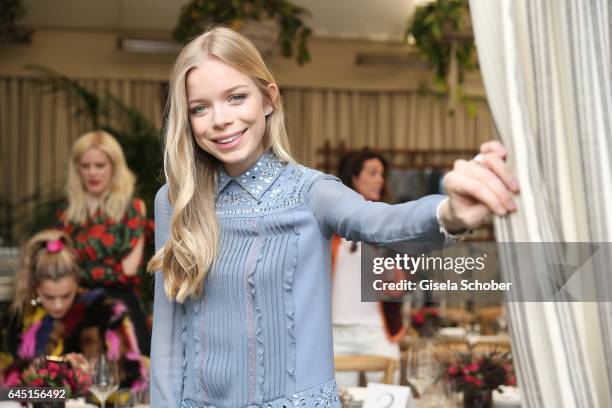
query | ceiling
[378, 20]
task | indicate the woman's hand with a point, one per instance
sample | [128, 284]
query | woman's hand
[478, 188]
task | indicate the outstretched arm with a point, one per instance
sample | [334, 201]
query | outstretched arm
[476, 189]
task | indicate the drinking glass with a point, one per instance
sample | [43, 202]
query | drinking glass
[422, 369]
[104, 378]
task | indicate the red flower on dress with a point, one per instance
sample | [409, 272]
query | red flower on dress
[97, 231]
[81, 238]
[91, 253]
[108, 239]
[134, 223]
[97, 273]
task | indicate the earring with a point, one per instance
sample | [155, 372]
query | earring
[268, 113]
[35, 302]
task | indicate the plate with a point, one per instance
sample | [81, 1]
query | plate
[510, 397]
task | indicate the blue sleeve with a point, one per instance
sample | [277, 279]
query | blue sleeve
[167, 346]
[340, 210]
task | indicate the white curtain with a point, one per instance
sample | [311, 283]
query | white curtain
[547, 73]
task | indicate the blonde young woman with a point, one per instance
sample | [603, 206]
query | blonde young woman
[242, 301]
[106, 223]
[53, 316]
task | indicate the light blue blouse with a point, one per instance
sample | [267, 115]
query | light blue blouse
[261, 334]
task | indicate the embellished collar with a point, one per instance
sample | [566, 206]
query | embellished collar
[258, 178]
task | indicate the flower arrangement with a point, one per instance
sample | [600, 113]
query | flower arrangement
[45, 373]
[478, 375]
[425, 321]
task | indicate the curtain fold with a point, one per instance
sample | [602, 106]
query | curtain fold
[390, 120]
[547, 74]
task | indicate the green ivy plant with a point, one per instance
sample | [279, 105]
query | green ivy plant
[293, 32]
[10, 12]
[441, 31]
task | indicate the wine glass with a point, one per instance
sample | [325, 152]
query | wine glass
[422, 369]
[104, 378]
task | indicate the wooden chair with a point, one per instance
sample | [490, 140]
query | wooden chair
[458, 316]
[487, 318]
[492, 346]
[365, 363]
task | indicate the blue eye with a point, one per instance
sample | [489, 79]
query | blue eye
[198, 109]
[237, 98]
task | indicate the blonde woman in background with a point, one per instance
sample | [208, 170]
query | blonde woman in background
[242, 313]
[106, 223]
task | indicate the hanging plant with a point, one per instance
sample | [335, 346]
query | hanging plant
[441, 31]
[10, 12]
[292, 33]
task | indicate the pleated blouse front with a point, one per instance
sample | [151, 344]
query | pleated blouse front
[260, 334]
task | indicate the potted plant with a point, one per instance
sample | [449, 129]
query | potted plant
[425, 321]
[279, 20]
[478, 375]
[441, 30]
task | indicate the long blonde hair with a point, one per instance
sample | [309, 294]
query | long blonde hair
[192, 173]
[117, 196]
[47, 255]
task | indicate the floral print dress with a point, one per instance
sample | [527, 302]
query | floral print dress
[101, 244]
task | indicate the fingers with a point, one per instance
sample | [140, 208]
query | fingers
[491, 181]
[497, 165]
[471, 180]
[494, 146]
[479, 188]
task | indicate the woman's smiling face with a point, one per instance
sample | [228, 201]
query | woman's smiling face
[227, 112]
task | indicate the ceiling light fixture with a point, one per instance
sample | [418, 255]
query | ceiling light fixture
[146, 46]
